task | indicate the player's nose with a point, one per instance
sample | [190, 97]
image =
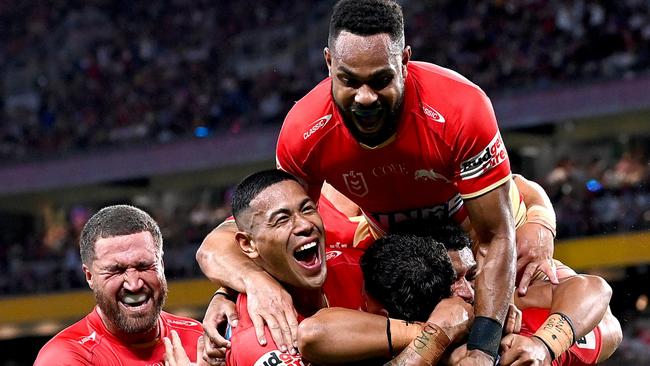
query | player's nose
[365, 95]
[132, 280]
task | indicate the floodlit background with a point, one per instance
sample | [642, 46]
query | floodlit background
[167, 104]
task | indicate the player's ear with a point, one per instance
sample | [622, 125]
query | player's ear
[88, 275]
[406, 57]
[246, 244]
[328, 60]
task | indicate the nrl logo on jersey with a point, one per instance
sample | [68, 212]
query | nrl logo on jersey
[356, 183]
[277, 358]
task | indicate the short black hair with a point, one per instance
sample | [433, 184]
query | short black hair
[113, 221]
[253, 185]
[366, 18]
[444, 230]
[407, 274]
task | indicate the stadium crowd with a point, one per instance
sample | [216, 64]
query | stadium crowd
[89, 74]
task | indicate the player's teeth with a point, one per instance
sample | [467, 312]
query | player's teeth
[134, 299]
[306, 246]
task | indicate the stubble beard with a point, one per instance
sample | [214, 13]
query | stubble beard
[132, 324]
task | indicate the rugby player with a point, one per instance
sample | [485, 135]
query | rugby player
[122, 256]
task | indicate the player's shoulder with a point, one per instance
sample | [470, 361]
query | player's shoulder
[177, 322]
[310, 117]
[72, 345]
[435, 79]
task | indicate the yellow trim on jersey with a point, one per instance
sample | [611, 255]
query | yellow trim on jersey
[383, 144]
[486, 189]
[363, 230]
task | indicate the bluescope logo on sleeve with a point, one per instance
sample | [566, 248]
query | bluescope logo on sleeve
[493, 155]
[276, 357]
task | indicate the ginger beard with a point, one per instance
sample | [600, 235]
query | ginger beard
[132, 323]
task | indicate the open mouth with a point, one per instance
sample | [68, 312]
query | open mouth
[368, 120]
[308, 255]
[135, 301]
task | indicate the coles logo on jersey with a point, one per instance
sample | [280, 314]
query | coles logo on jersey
[493, 155]
[275, 357]
[356, 183]
[432, 113]
[317, 125]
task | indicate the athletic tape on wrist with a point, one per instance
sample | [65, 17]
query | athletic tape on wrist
[541, 215]
[431, 343]
[557, 333]
[485, 335]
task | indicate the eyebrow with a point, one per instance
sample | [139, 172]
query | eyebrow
[380, 72]
[286, 210]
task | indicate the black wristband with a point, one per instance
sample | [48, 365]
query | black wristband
[485, 336]
[390, 339]
[222, 293]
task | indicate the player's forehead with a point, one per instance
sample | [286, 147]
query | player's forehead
[286, 194]
[462, 260]
[353, 51]
[125, 250]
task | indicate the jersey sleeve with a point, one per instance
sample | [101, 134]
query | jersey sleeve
[61, 352]
[480, 157]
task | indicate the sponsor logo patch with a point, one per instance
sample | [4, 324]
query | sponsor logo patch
[491, 156]
[187, 323]
[275, 357]
[432, 113]
[88, 338]
[332, 254]
[356, 183]
[447, 209]
[317, 125]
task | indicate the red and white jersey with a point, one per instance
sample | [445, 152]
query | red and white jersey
[584, 352]
[88, 342]
[343, 288]
[341, 231]
[447, 148]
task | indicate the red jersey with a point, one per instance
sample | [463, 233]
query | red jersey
[88, 342]
[342, 231]
[584, 352]
[447, 147]
[342, 288]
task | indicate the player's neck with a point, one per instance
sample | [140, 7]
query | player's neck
[308, 301]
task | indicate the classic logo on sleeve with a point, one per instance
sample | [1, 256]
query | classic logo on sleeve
[493, 155]
[275, 357]
[316, 125]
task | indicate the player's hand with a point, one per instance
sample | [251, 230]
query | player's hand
[513, 320]
[518, 350]
[456, 355]
[269, 303]
[475, 357]
[534, 253]
[218, 315]
[175, 353]
[454, 316]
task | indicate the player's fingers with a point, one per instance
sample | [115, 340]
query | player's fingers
[233, 318]
[526, 277]
[279, 332]
[550, 270]
[213, 351]
[258, 324]
[169, 352]
[292, 321]
[200, 348]
[179, 351]
[215, 337]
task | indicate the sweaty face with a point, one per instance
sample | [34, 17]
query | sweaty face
[128, 282]
[368, 74]
[287, 234]
[465, 268]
